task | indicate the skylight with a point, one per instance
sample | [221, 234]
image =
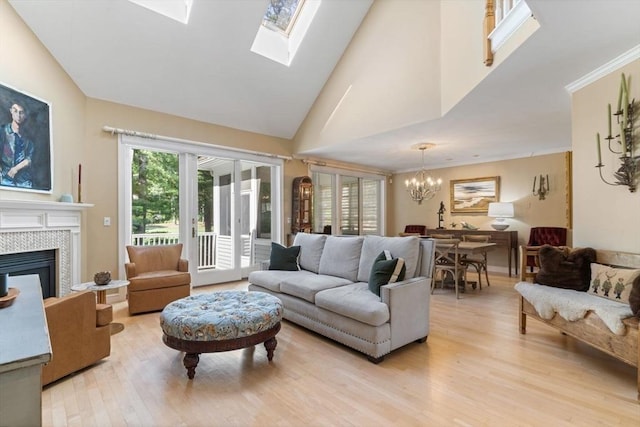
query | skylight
[283, 28]
[281, 15]
[178, 10]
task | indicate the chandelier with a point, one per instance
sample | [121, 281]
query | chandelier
[423, 186]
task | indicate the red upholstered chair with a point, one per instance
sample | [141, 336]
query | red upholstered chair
[555, 236]
[412, 230]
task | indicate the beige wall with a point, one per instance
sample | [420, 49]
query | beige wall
[605, 217]
[516, 181]
[390, 71]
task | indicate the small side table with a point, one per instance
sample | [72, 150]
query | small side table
[101, 296]
[101, 290]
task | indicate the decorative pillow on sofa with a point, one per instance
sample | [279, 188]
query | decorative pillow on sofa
[562, 269]
[386, 269]
[612, 283]
[284, 258]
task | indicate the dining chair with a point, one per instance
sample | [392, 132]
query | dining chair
[477, 262]
[538, 236]
[447, 261]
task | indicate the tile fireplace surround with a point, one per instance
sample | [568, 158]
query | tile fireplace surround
[28, 225]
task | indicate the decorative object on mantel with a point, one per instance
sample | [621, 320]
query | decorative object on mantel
[66, 198]
[7, 300]
[466, 226]
[500, 211]
[627, 173]
[423, 186]
[441, 212]
[453, 224]
[80, 183]
[543, 187]
[102, 277]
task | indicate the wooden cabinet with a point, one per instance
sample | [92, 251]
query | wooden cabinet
[302, 205]
[502, 239]
[24, 348]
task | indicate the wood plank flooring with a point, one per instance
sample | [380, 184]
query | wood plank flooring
[474, 370]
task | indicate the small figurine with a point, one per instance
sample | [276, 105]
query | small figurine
[468, 226]
[441, 212]
[453, 225]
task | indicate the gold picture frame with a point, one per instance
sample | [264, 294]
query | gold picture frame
[474, 195]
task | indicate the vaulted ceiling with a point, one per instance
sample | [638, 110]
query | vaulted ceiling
[120, 52]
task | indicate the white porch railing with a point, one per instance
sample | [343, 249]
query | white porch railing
[214, 250]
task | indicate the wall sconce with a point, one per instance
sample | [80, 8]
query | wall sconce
[627, 173]
[543, 187]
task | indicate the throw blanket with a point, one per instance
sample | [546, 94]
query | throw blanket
[574, 305]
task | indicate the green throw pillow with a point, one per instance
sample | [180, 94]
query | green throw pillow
[386, 270]
[284, 258]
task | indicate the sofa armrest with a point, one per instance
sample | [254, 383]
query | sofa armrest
[130, 269]
[408, 303]
[183, 265]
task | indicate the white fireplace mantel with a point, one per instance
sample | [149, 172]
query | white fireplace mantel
[30, 225]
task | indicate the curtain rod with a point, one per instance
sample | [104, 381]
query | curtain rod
[127, 132]
[348, 167]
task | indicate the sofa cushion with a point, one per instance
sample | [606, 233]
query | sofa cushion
[356, 302]
[308, 286]
[386, 269]
[271, 279]
[562, 269]
[283, 258]
[159, 279]
[341, 257]
[311, 246]
[612, 283]
[407, 248]
[154, 258]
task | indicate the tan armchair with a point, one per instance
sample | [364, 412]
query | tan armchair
[157, 276]
[80, 333]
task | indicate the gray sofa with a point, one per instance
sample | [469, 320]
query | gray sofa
[330, 293]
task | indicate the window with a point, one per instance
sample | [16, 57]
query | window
[281, 15]
[283, 28]
[178, 10]
[347, 203]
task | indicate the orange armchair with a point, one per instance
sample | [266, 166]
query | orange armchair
[157, 276]
[80, 333]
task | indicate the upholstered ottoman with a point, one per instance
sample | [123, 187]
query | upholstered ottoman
[220, 321]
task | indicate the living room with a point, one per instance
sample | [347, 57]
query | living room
[598, 216]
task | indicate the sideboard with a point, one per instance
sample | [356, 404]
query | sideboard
[24, 348]
[502, 239]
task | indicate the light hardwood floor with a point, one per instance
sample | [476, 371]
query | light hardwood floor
[474, 370]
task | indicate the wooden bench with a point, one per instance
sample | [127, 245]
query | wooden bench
[591, 329]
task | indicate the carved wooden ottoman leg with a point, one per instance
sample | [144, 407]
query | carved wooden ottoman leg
[270, 345]
[190, 362]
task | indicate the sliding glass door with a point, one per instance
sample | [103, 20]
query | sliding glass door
[224, 210]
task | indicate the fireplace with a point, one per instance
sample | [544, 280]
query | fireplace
[29, 226]
[42, 263]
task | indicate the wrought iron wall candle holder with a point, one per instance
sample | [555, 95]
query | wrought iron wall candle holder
[622, 143]
[543, 187]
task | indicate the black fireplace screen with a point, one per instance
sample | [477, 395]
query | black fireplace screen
[42, 263]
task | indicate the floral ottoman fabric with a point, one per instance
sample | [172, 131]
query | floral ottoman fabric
[221, 315]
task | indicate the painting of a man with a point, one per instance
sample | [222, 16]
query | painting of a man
[16, 156]
[25, 146]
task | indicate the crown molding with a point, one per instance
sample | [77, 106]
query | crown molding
[606, 69]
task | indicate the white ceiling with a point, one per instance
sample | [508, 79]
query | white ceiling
[117, 51]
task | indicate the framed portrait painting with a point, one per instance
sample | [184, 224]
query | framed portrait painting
[474, 195]
[26, 161]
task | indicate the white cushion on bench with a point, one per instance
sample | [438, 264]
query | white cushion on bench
[574, 305]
